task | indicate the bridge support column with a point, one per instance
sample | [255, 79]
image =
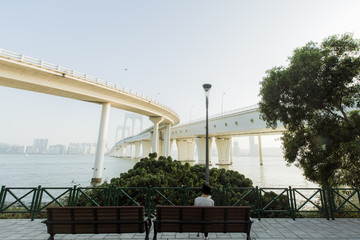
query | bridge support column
[155, 139]
[146, 147]
[126, 150]
[161, 148]
[137, 149]
[100, 149]
[117, 152]
[224, 150]
[186, 149]
[121, 151]
[260, 151]
[130, 151]
[201, 148]
[167, 141]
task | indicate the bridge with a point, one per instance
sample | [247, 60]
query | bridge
[23, 72]
[222, 127]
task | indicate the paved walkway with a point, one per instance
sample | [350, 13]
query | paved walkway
[272, 228]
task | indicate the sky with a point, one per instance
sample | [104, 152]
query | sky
[169, 48]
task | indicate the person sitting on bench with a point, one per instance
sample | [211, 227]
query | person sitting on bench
[204, 200]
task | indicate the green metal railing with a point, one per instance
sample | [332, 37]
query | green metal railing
[265, 202]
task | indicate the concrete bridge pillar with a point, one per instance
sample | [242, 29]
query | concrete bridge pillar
[224, 150]
[260, 150]
[167, 141]
[130, 149]
[117, 152]
[146, 147]
[137, 149]
[186, 149]
[100, 148]
[155, 139]
[201, 148]
[126, 152]
[161, 148]
[122, 150]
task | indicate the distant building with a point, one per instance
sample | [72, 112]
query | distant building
[41, 145]
[74, 149]
[13, 149]
[31, 150]
[57, 149]
[4, 148]
[93, 148]
[236, 149]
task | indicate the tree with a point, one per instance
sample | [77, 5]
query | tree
[173, 177]
[315, 98]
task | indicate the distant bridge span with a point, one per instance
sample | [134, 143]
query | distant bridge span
[222, 127]
[22, 72]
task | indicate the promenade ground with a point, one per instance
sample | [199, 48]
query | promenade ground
[272, 228]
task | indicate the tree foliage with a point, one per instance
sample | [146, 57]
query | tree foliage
[316, 97]
[165, 172]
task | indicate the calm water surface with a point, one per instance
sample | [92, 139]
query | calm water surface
[64, 171]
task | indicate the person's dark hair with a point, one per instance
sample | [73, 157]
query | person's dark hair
[206, 189]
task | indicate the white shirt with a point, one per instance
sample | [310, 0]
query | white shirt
[204, 201]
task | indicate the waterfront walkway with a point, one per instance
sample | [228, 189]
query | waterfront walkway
[267, 228]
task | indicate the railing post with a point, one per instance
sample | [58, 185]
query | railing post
[185, 199]
[331, 202]
[218, 196]
[108, 196]
[259, 200]
[292, 203]
[72, 196]
[150, 203]
[324, 202]
[114, 196]
[224, 196]
[2, 196]
[35, 204]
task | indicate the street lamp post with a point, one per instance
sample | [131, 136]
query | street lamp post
[207, 89]
[222, 104]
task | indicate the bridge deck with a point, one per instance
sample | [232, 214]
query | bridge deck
[271, 228]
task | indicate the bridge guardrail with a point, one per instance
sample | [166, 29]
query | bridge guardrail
[243, 109]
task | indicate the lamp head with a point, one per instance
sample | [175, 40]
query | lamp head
[206, 87]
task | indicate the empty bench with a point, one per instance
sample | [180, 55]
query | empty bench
[221, 219]
[81, 220]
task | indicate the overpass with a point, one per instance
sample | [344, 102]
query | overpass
[222, 127]
[23, 72]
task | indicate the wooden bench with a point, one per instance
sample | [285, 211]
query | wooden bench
[78, 220]
[202, 219]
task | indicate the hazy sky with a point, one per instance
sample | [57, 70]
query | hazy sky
[170, 49]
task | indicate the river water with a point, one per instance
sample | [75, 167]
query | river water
[69, 170]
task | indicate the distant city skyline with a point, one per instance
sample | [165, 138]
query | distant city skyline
[163, 49]
[42, 146]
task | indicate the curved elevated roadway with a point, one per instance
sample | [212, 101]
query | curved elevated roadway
[22, 72]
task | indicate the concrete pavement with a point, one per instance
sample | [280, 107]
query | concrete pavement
[267, 228]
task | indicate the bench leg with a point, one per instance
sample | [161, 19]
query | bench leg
[51, 237]
[155, 234]
[248, 236]
[147, 233]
